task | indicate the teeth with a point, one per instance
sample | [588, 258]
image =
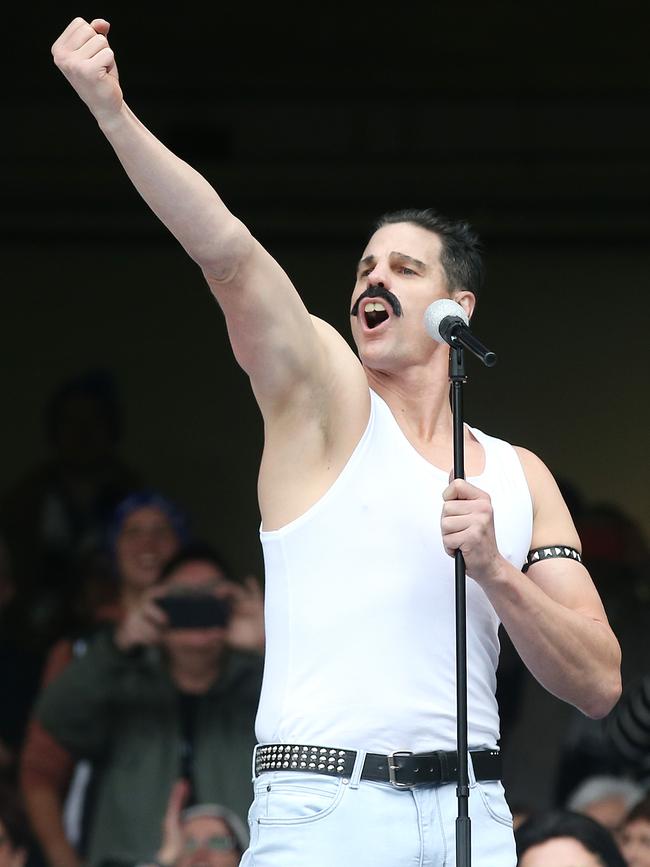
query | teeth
[374, 305]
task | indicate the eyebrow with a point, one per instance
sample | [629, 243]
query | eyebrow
[394, 254]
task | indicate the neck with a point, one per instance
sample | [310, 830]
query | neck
[418, 398]
[193, 675]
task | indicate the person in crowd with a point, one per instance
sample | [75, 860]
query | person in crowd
[561, 838]
[361, 523]
[606, 799]
[144, 532]
[54, 515]
[204, 835]
[164, 696]
[634, 835]
[15, 836]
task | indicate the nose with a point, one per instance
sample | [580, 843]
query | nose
[379, 275]
[146, 539]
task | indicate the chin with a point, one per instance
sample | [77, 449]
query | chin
[378, 358]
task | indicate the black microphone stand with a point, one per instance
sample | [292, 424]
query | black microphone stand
[458, 378]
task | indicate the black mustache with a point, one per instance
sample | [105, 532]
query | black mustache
[377, 292]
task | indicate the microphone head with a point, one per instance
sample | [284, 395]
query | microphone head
[439, 310]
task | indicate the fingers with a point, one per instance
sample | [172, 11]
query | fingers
[465, 530]
[479, 510]
[467, 516]
[155, 592]
[227, 590]
[74, 35]
[93, 47]
[78, 33]
[87, 43]
[153, 614]
[177, 798]
[100, 25]
[252, 585]
[143, 624]
[248, 591]
[455, 524]
[460, 489]
[453, 543]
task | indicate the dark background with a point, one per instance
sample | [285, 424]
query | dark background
[529, 120]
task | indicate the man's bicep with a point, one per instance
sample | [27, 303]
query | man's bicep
[270, 330]
[552, 521]
[561, 577]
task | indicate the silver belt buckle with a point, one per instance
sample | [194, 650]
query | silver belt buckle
[392, 768]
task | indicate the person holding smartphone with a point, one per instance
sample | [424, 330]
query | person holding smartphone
[170, 693]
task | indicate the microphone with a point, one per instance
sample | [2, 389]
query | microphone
[446, 321]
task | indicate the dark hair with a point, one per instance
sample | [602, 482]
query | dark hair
[193, 552]
[14, 818]
[565, 823]
[461, 256]
[639, 811]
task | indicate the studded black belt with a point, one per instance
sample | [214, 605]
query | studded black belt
[401, 769]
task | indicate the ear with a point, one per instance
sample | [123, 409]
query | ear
[467, 301]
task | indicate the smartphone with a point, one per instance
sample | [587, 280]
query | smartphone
[195, 611]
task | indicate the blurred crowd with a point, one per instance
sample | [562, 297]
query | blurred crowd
[131, 660]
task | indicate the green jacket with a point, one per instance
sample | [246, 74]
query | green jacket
[121, 712]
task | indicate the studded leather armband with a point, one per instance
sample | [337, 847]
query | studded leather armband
[548, 553]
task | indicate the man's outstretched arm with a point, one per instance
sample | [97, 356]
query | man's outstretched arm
[265, 316]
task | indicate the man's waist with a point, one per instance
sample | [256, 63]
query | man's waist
[401, 768]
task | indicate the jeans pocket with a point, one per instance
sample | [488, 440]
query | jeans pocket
[284, 800]
[493, 797]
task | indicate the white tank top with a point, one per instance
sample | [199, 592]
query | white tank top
[360, 604]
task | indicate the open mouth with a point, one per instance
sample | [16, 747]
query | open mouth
[375, 313]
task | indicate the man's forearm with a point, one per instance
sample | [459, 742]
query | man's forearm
[574, 656]
[179, 196]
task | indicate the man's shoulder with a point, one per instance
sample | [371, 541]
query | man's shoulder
[527, 457]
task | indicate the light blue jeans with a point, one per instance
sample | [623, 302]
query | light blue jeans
[307, 820]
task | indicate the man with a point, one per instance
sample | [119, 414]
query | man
[358, 520]
[156, 700]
